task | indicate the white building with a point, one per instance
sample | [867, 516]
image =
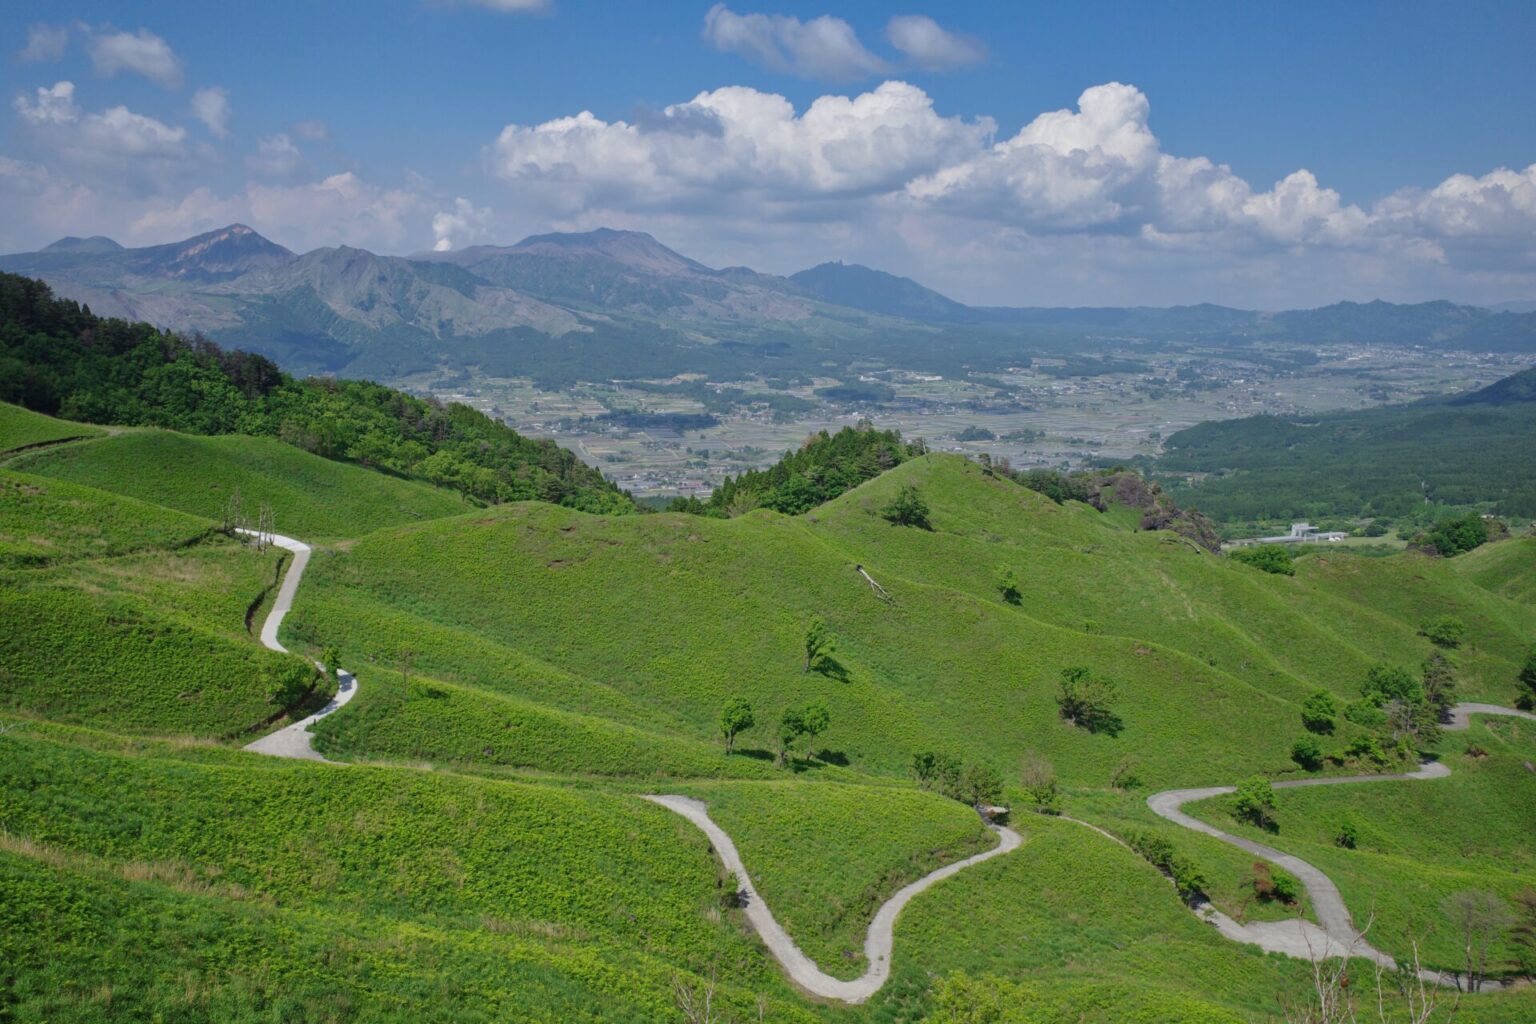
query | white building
[1301, 533]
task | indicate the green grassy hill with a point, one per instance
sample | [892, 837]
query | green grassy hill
[310, 496]
[43, 521]
[22, 428]
[664, 617]
[1421, 842]
[1507, 569]
[529, 671]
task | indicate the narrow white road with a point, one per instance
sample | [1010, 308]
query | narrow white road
[801, 969]
[295, 740]
[1335, 933]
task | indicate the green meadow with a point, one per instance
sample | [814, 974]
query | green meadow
[528, 672]
[23, 428]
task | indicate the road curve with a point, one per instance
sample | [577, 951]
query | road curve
[801, 969]
[295, 740]
[1335, 933]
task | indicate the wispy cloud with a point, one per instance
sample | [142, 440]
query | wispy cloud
[141, 53]
[824, 47]
[930, 46]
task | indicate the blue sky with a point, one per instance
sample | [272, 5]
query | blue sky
[425, 123]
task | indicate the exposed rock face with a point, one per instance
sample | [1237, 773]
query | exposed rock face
[1158, 511]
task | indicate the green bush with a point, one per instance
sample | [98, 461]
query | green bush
[1254, 802]
[1318, 711]
[1445, 631]
[1271, 558]
[1307, 753]
[1452, 537]
[907, 509]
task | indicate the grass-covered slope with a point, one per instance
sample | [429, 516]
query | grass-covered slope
[310, 497]
[23, 428]
[446, 723]
[528, 671]
[662, 618]
[45, 521]
[424, 897]
[1420, 842]
[1507, 568]
[826, 855]
[147, 643]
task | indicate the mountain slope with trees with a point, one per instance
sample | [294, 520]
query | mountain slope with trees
[1399, 462]
[58, 358]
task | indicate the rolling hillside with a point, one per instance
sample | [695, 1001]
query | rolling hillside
[527, 671]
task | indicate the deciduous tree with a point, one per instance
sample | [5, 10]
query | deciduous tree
[735, 717]
[907, 509]
[1254, 802]
[820, 641]
[1085, 700]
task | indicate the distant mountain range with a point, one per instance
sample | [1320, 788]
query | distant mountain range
[615, 304]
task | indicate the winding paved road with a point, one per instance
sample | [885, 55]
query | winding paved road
[295, 740]
[801, 969]
[1335, 933]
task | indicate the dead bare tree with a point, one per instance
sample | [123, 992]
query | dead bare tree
[696, 1002]
[266, 526]
[1333, 996]
[1480, 917]
[1419, 989]
[233, 514]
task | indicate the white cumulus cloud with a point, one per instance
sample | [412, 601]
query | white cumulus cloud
[824, 47]
[211, 106]
[141, 52]
[930, 46]
[466, 222]
[735, 140]
[119, 132]
[1085, 197]
[51, 105]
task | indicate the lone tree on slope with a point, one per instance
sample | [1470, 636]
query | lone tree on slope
[1085, 700]
[820, 641]
[815, 718]
[735, 717]
[791, 727]
[1254, 802]
[1528, 679]
[1319, 711]
[907, 509]
[1008, 585]
[1480, 919]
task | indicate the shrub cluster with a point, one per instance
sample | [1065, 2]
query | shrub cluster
[1159, 852]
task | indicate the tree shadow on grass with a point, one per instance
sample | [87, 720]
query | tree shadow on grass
[1106, 722]
[836, 757]
[831, 668]
[755, 753]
